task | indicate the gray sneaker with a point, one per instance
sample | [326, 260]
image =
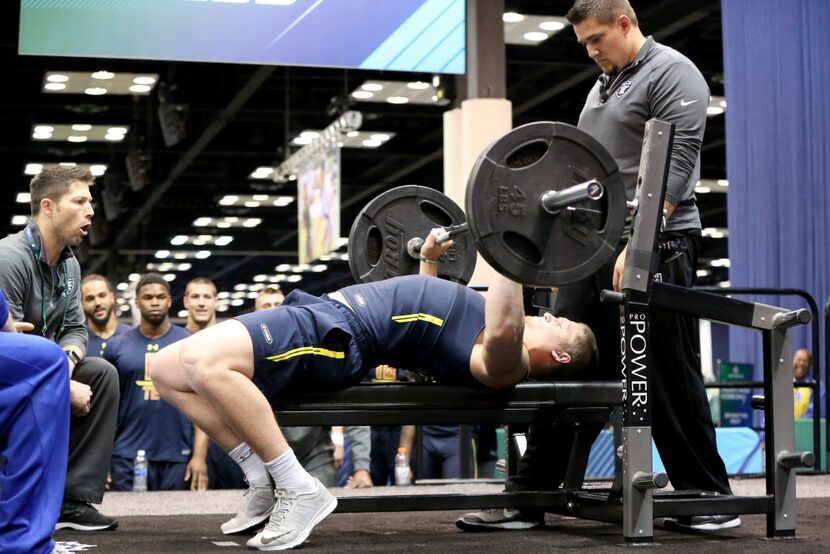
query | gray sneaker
[500, 519]
[254, 511]
[293, 518]
[702, 523]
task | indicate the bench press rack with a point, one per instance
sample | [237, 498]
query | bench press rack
[592, 401]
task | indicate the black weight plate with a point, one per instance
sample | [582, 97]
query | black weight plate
[512, 230]
[381, 231]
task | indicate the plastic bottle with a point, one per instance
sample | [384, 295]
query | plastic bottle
[140, 472]
[402, 467]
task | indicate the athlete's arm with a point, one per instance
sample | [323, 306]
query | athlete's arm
[501, 360]
[431, 252]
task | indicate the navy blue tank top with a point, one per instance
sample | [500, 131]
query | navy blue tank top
[422, 324]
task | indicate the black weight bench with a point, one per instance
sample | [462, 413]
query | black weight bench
[427, 403]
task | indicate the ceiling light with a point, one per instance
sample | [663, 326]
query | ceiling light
[369, 143]
[33, 169]
[95, 91]
[720, 262]
[178, 240]
[319, 268]
[282, 268]
[23, 197]
[372, 87]
[76, 138]
[228, 200]
[551, 25]
[161, 254]
[397, 99]
[380, 137]
[54, 86]
[512, 17]
[122, 286]
[260, 278]
[294, 278]
[20, 220]
[97, 169]
[93, 133]
[352, 134]
[262, 172]
[182, 314]
[103, 75]
[527, 30]
[202, 254]
[310, 134]
[251, 222]
[140, 89]
[417, 85]
[363, 94]
[302, 141]
[201, 222]
[252, 204]
[169, 277]
[535, 36]
[714, 110]
[76, 82]
[723, 182]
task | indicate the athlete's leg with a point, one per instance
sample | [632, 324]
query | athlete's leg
[208, 377]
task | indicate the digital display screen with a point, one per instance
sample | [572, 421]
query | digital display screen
[403, 35]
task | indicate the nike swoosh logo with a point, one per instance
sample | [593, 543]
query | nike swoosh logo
[684, 103]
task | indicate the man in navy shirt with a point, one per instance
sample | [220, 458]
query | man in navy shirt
[98, 302]
[145, 421]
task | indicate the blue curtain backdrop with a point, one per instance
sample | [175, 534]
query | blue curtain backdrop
[777, 80]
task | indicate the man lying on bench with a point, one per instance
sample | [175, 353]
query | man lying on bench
[223, 377]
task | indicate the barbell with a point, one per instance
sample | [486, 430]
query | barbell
[545, 206]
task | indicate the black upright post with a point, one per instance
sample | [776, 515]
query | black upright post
[640, 263]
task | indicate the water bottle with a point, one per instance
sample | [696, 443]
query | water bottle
[402, 467]
[140, 472]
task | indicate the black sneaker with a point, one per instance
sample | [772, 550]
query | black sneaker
[81, 516]
[702, 523]
[499, 519]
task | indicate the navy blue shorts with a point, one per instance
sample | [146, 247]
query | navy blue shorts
[309, 343]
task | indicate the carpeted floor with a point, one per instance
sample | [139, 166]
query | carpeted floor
[402, 532]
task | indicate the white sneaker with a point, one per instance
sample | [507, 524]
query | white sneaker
[59, 549]
[293, 518]
[254, 511]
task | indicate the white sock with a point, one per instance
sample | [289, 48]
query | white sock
[287, 473]
[251, 465]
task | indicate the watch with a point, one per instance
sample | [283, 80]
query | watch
[72, 355]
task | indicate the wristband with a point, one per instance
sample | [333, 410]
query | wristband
[337, 439]
[428, 261]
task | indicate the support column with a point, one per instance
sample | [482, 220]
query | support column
[485, 115]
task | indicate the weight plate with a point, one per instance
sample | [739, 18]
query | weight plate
[380, 233]
[512, 230]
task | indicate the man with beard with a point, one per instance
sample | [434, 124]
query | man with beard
[145, 421]
[98, 302]
[41, 276]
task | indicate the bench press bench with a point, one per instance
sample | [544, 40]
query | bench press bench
[429, 403]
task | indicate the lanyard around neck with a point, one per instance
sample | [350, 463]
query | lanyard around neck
[34, 249]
